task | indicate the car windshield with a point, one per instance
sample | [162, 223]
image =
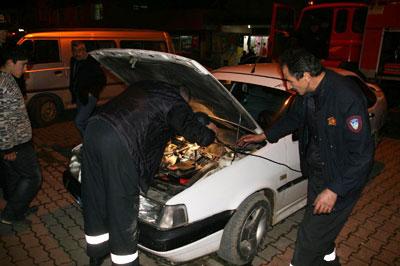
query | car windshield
[264, 104]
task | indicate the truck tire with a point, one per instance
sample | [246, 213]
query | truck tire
[245, 232]
[44, 111]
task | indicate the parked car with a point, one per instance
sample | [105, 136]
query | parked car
[245, 85]
[219, 198]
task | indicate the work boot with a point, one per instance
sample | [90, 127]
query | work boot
[4, 219]
[31, 210]
[94, 261]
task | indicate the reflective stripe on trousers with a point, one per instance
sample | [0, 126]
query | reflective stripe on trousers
[95, 240]
[328, 257]
[123, 259]
[331, 256]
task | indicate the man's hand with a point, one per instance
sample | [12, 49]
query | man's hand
[213, 127]
[325, 201]
[10, 156]
[252, 138]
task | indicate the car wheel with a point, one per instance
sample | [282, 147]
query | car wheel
[44, 111]
[246, 230]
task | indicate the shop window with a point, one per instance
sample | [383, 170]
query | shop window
[187, 45]
[341, 21]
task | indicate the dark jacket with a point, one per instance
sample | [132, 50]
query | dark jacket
[146, 116]
[345, 143]
[86, 76]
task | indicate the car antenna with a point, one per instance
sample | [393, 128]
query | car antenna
[255, 64]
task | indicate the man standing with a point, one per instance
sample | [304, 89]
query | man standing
[123, 148]
[336, 151]
[86, 81]
[17, 155]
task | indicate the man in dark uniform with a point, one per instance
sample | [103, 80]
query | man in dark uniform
[123, 148]
[336, 151]
[87, 79]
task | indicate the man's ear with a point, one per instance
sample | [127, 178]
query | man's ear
[307, 76]
[9, 64]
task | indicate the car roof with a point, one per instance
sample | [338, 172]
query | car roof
[265, 74]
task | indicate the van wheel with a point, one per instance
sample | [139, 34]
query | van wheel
[246, 230]
[44, 111]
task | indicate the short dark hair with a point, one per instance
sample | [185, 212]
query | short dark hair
[299, 61]
[77, 43]
[13, 53]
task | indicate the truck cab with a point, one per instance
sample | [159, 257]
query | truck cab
[356, 36]
[333, 31]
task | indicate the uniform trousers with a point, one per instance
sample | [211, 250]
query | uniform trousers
[315, 244]
[110, 195]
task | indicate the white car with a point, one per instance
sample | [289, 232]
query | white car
[219, 198]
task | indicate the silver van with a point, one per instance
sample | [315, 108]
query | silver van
[47, 78]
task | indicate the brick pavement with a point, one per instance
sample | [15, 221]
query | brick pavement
[55, 236]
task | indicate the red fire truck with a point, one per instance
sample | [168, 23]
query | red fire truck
[357, 36]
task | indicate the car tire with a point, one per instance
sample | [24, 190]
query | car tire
[44, 111]
[245, 232]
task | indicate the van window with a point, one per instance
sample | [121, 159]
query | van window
[145, 45]
[341, 21]
[42, 51]
[97, 44]
[359, 18]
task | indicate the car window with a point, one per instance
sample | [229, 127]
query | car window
[97, 44]
[42, 51]
[263, 103]
[368, 92]
[341, 21]
[359, 18]
[315, 31]
[145, 45]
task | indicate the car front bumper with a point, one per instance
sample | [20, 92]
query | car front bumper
[159, 241]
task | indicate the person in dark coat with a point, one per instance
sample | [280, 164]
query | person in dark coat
[86, 82]
[336, 151]
[123, 147]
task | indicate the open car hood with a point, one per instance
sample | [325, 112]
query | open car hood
[208, 95]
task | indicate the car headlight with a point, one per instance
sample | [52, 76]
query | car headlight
[149, 210]
[163, 217]
[173, 216]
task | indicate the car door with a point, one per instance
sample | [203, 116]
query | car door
[46, 71]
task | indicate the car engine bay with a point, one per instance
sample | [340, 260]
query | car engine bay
[184, 163]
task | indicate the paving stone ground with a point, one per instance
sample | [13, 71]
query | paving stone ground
[55, 235]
